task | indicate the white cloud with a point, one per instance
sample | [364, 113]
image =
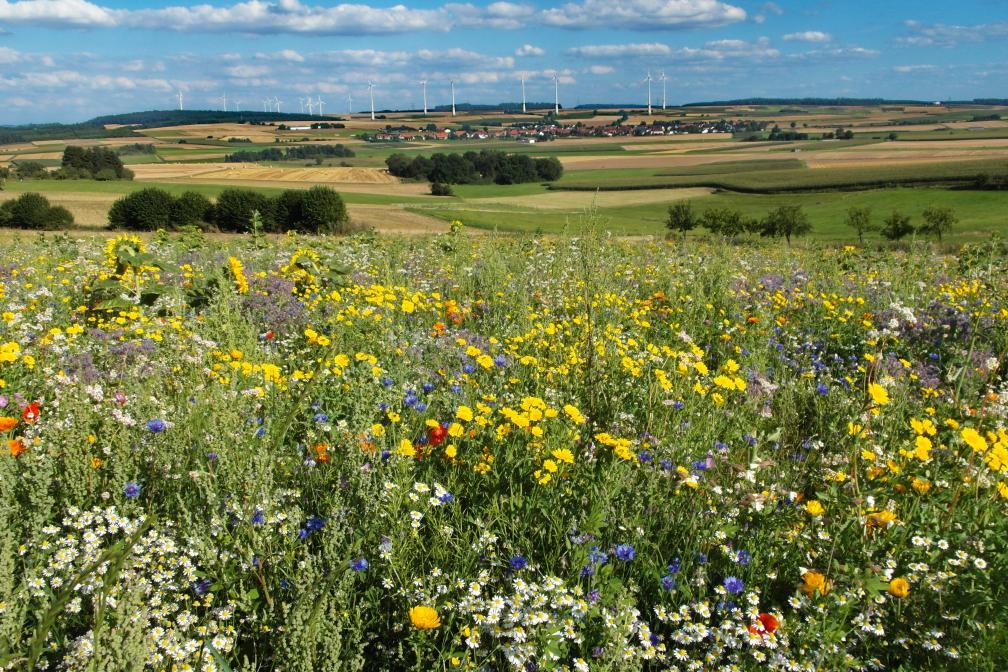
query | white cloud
[767, 8]
[58, 13]
[945, 35]
[601, 70]
[808, 36]
[288, 55]
[643, 14]
[906, 69]
[247, 71]
[529, 50]
[8, 56]
[621, 50]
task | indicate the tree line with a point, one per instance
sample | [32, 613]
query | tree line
[788, 221]
[293, 153]
[475, 167]
[319, 209]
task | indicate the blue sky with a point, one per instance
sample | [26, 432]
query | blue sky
[69, 60]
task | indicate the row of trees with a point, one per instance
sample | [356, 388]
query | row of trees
[34, 211]
[938, 220]
[786, 222]
[789, 221]
[475, 167]
[292, 153]
[316, 210]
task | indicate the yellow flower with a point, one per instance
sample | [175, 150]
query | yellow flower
[899, 587]
[406, 448]
[574, 414]
[814, 582]
[238, 271]
[922, 449]
[464, 413]
[424, 617]
[564, 455]
[974, 440]
[408, 306]
[878, 394]
[814, 508]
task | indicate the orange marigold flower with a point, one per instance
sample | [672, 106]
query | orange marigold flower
[424, 617]
[16, 447]
[8, 423]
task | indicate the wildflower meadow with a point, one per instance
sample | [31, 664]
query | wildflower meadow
[491, 453]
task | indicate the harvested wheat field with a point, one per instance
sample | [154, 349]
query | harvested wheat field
[393, 219]
[227, 172]
[88, 208]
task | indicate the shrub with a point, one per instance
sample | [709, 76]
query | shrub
[938, 220]
[31, 169]
[191, 209]
[681, 217]
[896, 226]
[234, 208]
[33, 211]
[289, 208]
[785, 222]
[323, 211]
[441, 189]
[144, 210]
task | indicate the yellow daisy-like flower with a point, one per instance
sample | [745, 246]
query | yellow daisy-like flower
[899, 587]
[238, 271]
[974, 440]
[424, 617]
[814, 508]
[878, 394]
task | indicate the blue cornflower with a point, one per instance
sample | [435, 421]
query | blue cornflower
[644, 456]
[386, 381]
[668, 582]
[386, 454]
[822, 388]
[456, 388]
[202, 586]
[597, 557]
[625, 552]
[468, 368]
[674, 566]
[750, 439]
[284, 584]
[321, 417]
[261, 432]
[518, 562]
[156, 426]
[258, 518]
[410, 399]
[701, 558]
[500, 360]
[428, 387]
[212, 456]
[314, 523]
[446, 498]
[594, 596]
[420, 407]
[132, 490]
[734, 585]
[678, 405]
[720, 445]
[666, 465]
[302, 534]
[743, 557]
[700, 465]
[358, 564]
[588, 570]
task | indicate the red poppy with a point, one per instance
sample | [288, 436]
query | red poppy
[437, 435]
[30, 412]
[767, 624]
[268, 335]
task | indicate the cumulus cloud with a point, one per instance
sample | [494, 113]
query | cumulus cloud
[58, 13]
[529, 50]
[643, 14]
[767, 8]
[946, 35]
[621, 50]
[808, 36]
[907, 69]
[601, 70]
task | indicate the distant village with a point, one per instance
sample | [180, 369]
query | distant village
[531, 133]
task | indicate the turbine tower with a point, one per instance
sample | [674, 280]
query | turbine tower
[423, 83]
[649, 93]
[556, 96]
[180, 100]
[311, 105]
[265, 104]
[349, 104]
[277, 101]
[663, 90]
[453, 96]
[225, 101]
[320, 103]
[523, 94]
[301, 105]
[370, 87]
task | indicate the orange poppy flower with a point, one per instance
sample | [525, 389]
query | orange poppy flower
[8, 423]
[16, 447]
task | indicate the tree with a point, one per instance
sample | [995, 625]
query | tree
[681, 218]
[191, 209]
[729, 223]
[786, 221]
[234, 208]
[859, 219]
[938, 220]
[441, 189]
[896, 226]
[323, 211]
[33, 211]
[144, 210]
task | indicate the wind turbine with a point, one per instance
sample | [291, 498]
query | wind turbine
[180, 100]
[349, 104]
[556, 96]
[237, 103]
[523, 94]
[320, 103]
[277, 101]
[370, 87]
[423, 83]
[225, 101]
[663, 90]
[301, 105]
[265, 104]
[311, 104]
[453, 96]
[649, 93]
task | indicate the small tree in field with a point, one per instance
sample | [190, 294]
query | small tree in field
[896, 226]
[681, 218]
[938, 220]
[859, 219]
[785, 222]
